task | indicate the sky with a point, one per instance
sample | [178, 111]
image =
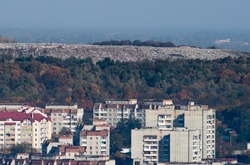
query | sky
[125, 14]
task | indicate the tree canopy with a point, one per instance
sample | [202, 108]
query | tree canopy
[65, 131]
[22, 148]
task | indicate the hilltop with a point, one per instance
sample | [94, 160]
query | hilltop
[116, 53]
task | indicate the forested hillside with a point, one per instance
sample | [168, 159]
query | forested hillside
[222, 84]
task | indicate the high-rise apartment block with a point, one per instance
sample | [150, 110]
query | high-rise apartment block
[113, 111]
[95, 138]
[64, 116]
[27, 125]
[150, 146]
[174, 133]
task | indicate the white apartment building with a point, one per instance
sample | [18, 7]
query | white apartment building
[11, 106]
[95, 138]
[64, 116]
[21, 127]
[113, 111]
[151, 146]
[169, 116]
[163, 115]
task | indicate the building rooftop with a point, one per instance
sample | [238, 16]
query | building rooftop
[20, 116]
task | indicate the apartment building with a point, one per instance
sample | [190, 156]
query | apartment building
[22, 127]
[151, 146]
[113, 111]
[163, 115]
[95, 138]
[11, 106]
[64, 116]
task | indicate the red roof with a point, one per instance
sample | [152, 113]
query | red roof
[10, 123]
[19, 116]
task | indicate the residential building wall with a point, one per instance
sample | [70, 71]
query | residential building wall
[96, 138]
[96, 142]
[64, 116]
[169, 117]
[20, 127]
[154, 146]
[114, 110]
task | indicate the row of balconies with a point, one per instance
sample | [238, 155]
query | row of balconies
[150, 159]
[152, 148]
[164, 116]
[150, 142]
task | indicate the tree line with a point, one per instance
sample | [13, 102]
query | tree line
[136, 43]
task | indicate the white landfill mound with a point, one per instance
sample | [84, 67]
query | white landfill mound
[120, 53]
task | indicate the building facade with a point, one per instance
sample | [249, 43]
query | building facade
[151, 146]
[21, 127]
[113, 111]
[163, 116]
[64, 116]
[95, 138]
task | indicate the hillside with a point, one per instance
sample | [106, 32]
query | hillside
[222, 83]
[120, 53]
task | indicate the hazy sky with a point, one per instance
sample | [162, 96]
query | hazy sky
[125, 14]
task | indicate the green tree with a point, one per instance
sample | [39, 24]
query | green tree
[22, 148]
[121, 135]
[65, 131]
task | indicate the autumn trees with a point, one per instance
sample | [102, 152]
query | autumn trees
[47, 79]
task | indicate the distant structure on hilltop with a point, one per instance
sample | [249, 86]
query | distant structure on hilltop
[223, 41]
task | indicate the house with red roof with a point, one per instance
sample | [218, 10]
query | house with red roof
[20, 127]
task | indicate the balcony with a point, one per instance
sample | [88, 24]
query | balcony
[149, 140]
[149, 155]
[150, 159]
[150, 145]
[150, 149]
